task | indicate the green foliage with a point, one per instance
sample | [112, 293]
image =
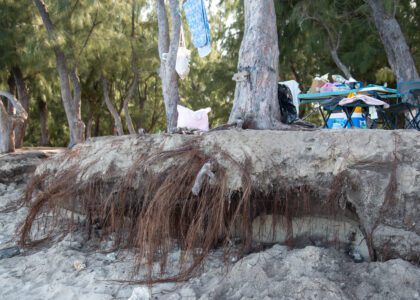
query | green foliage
[98, 38]
[385, 75]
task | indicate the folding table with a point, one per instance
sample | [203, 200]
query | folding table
[326, 100]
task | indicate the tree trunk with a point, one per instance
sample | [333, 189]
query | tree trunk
[43, 121]
[334, 44]
[111, 108]
[12, 90]
[127, 98]
[169, 47]
[71, 102]
[97, 130]
[23, 97]
[136, 73]
[395, 44]
[8, 122]
[343, 68]
[89, 127]
[7, 135]
[256, 104]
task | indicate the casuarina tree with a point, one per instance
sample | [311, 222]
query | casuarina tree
[255, 104]
[393, 39]
[71, 97]
[168, 49]
[9, 122]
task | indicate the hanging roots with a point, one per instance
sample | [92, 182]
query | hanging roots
[152, 209]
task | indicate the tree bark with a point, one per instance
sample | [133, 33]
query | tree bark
[111, 108]
[8, 122]
[256, 104]
[169, 47]
[71, 102]
[7, 135]
[333, 44]
[343, 68]
[23, 97]
[136, 73]
[395, 44]
[89, 128]
[43, 121]
[127, 98]
[12, 90]
[97, 130]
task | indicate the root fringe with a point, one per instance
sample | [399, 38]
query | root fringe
[151, 208]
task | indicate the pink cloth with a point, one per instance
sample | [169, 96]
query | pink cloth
[328, 87]
[368, 100]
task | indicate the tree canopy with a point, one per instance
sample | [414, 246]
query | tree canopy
[118, 41]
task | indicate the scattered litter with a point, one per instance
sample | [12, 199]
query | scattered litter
[79, 266]
[111, 256]
[183, 57]
[356, 256]
[9, 252]
[193, 119]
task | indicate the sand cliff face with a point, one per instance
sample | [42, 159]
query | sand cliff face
[71, 267]
[373, 175]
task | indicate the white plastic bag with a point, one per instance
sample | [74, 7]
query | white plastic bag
[188, 118]
[182, 66]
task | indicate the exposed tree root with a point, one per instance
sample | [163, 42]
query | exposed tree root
[152, 207]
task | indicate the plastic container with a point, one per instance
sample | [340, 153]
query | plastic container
[338, 120]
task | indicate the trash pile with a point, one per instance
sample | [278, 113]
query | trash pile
[347, 103]
[321, 84]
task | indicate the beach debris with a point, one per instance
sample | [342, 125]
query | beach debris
[111, 256]
[9, 252]
[206, 170]
[356, 256]
[79, 265]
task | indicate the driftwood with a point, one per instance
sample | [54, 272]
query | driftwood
[8, 122]
[206, 170]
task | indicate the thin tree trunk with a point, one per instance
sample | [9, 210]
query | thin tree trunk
[111, 108]
[333, 44]
[43, 121]
[136, 74]
[395, 44]
[97, 125]
[71, 102]
[256, 104]
[89, 127]
[24, 100]
[169, 47]
[8, 122]
[12, 90]
[127, 98]
[7, 135]
[343, 68]
[92, 106]
[154, 117]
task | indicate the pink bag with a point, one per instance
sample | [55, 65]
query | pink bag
[193, 119]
